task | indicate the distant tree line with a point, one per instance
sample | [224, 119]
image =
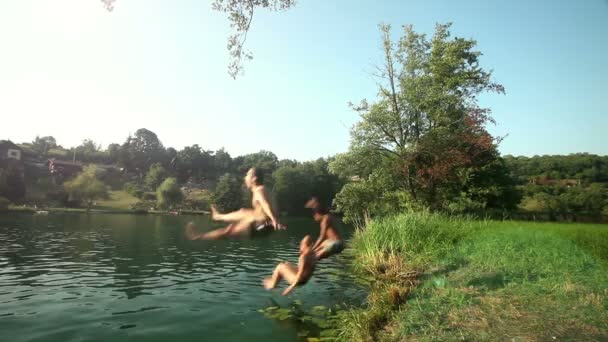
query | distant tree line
[562, 186]
[421, 144]
[155, 174]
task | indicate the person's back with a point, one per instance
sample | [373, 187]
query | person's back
[294, 275]
[331, 233]
[329, 242]
[308, 262]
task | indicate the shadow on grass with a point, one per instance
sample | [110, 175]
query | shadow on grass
[491, 281]
[444, 270]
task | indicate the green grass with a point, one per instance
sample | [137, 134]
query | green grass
[591, 237]
[117, 200]
[439, 278]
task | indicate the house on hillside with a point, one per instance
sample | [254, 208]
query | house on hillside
[8, 150]
[10, 157]
[12, 167]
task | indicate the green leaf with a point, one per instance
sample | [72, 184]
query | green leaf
[303, 333]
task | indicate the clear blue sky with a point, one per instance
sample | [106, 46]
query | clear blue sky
[70, 69]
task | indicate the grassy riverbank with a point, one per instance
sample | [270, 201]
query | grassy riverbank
[439, 278]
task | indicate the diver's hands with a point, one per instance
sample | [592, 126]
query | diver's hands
[278, 226]
[288, 290]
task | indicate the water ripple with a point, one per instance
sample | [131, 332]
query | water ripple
[104, 274]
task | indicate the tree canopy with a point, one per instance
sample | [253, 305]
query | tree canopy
[424, 139]
[86, 187]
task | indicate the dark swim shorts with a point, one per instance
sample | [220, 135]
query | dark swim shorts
[260, 230]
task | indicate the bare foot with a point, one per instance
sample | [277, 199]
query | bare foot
[268, 283]
[214, 213]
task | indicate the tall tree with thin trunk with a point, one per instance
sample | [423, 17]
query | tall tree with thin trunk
[425, 133]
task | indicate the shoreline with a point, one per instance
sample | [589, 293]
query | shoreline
[63, 210]
[433, 277]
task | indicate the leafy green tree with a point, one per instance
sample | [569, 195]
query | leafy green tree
[287, 162]
[583, 167]
[170, 160]
[134, 189]
[89, 151]
[155, 176]
[292, 187]
[228, 194]
[193, 161]
[263, 160]
[86, 187]
[198, 199]
[42, 145]
[294, 183]
[222, 162]
[188, 162]
[168, 193]
[89, 146]
[325, 185]
[142, 150]
[113, 151]
[376, 195]
[425, 132]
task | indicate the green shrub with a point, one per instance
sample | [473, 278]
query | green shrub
[168, 193]
[133, 189]
[149, 196]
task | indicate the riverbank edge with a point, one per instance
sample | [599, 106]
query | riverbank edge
[395, 285]
[63, 210]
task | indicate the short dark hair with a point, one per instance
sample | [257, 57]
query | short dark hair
[258, 174]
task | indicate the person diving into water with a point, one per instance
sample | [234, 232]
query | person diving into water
[259, 219]
[329, 242]
[295, 276]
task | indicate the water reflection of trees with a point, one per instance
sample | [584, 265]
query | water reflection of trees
[144, 254]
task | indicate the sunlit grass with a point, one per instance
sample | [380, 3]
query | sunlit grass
[480, 280]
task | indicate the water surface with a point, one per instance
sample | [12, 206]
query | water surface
[102, 277]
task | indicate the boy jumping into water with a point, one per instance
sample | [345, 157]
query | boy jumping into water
[259, 218]
[329, 242]
[294, 275]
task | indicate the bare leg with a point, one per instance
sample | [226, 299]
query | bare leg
[234, 229]
[216, 234]
[283, 270]
[191, 233]
[320, 254]
[234, 216]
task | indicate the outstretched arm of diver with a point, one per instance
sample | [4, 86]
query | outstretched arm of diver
[266, 207]
[298, 276]
[321, 234]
